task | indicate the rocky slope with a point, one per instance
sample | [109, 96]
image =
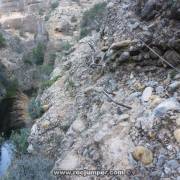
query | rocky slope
[115, 104]
[115, 100]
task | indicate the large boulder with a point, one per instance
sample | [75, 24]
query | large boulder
[148, 11]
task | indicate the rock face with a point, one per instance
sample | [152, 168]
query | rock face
[110, 102]
[14, 113]
[64, 21]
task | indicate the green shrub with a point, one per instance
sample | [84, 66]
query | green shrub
[38, 54]
[12, 87]
[19, 139]
[49, 83]
[46, 69]
[2, 40]
[65, 45]
[52, 58]
[35, 109]
[92, 19]
[28, 58]
[35, 167]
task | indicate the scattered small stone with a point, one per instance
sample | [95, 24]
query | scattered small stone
[147, 94]
[161, 160]
[173, 164]
[123, 117]
[133, 96]
[160, 90]
[177, 135]
[174, 86]
[165, 106]
[143, 154]
[124, 56]
[152, 84]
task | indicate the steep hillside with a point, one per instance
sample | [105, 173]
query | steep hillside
[112, 100]
[115, 104]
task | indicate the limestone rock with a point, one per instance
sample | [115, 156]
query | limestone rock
[177, 135]
[45, 108]
[143, 154]
[120, 45]
[147, 94]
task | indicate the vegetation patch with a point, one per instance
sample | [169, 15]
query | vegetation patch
[30, 167]
[49, 83]
[12, 88]
[36, 56]
[35, 109]
[65, 45]
[2, 41]
[92, 19]
[45, 70]
[19, 139]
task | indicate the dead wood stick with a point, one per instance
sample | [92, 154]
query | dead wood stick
[120, 104]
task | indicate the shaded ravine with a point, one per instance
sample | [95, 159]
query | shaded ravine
[13, 118]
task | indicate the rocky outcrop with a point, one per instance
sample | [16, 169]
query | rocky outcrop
[14, 113]
[21, 18]
[13, 104]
